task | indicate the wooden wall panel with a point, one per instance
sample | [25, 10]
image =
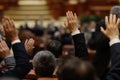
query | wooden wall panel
[59, 7]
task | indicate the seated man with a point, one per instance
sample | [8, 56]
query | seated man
[44, 64]
[22, 62]
[81, 70]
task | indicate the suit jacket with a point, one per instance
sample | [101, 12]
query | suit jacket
[22, 62]
[101, 60]
[81, 52]
[102, 57]
[114, 72]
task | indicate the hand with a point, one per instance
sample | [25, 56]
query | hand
[112, 30]
[29, 45]
[3, 31]
[4, 50]
[9, 29]
[72, 21]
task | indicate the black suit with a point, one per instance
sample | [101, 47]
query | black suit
[81, 52]
[102, 57]
[80, 46]
[101, 60]
[22, 62]
[114, 72]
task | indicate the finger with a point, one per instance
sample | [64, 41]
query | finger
[71, 15]
[75, 16]
[3, 31]
[7, 25]
[1, 44]
[4, 44]
[118, 21]
[12, 23]
[4, 28]
[111, 18]
[66, 23]
[106, 21]
[26, 41]
[102, 30]
[3, 19]
[31, 42]
[114, 19]
[67, 16]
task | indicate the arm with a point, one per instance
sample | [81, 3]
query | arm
[78, 38]
[80, 46]
[22, 62]
[115, 62]
[112, 32]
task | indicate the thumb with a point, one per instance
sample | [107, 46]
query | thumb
[102, 30]
[65, 24]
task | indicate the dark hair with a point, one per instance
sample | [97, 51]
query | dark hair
[44, 63]
[55, 47]
[26, 34]
[76, 69]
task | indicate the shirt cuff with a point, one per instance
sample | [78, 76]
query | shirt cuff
[114, 41]
[16, 41]
[75, 33]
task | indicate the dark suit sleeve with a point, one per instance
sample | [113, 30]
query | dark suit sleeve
[80, 46]
[114, 73]
[22, 62]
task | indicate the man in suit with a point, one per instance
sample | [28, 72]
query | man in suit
[79, 47]
[78, 38]
[22, 62]
[102, 56]
[112, 33]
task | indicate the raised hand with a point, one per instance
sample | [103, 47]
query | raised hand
[3, 31]
[9, 29]
[29, 45]
[72, 21]
[112, 30]
[4, 50]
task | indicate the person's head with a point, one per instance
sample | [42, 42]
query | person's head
[115, 10]
[44, 63]
[26, 34]
[55, 47]
[92, 26]
[76, 69]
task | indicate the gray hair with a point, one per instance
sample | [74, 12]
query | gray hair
[44, 63]
[115, 10]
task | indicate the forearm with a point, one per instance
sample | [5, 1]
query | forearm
[80, 46]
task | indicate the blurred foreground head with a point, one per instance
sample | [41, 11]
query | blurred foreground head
[44, 63]
[76, 69]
